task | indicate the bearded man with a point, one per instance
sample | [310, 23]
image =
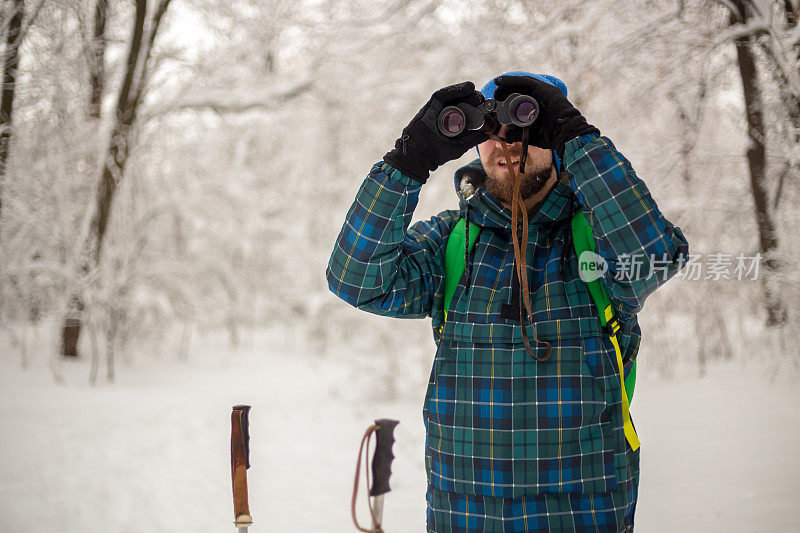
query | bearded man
[520, 436]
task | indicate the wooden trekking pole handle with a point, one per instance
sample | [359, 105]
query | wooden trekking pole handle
[240, 462]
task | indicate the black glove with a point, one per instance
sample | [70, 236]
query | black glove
[558, 120]
[422, 148]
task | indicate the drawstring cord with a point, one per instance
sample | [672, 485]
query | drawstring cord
[467, 269]
[376, 528]
[567, 236]
[521, 245]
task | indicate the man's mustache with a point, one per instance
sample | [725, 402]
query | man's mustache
[511, 155]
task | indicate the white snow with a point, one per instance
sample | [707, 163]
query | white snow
[150, 453]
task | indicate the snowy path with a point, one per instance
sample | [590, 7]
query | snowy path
[151, 453]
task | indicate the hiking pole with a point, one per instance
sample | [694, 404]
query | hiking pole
[381, 471]
[382, 465]
[240, 462]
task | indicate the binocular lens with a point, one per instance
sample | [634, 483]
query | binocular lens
[452, 121]
[518, 110]
[526, 112]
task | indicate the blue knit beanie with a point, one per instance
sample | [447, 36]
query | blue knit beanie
[489, 89]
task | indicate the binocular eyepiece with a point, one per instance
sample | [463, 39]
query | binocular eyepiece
[517, 110]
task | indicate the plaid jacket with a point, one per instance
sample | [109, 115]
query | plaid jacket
[498, 422]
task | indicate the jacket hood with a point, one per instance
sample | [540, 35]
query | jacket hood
[486, 211]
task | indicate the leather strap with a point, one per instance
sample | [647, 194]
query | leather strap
[520, 254]
[376, 528]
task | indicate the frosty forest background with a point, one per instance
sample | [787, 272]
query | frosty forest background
[173, 174]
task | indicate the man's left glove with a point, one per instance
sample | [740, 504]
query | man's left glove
[422, 148]
[558, 120]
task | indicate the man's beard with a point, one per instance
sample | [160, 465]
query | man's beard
[502, 187]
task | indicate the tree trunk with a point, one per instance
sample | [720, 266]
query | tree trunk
[130, 96]
[10, 66]
[97, 53]
[756, 159]
[791, 103]
[71, 331]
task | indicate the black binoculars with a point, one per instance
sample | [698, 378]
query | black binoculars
[516, 110]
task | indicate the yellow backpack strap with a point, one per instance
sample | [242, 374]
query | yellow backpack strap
[583, 240]
[613, 326]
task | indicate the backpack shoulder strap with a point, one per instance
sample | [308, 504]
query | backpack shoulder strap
[583, 240]
[455, 260]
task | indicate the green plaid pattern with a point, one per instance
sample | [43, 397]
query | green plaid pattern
[609, 512]
[500, 424]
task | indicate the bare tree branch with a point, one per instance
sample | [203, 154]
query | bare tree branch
[155, 22]
[234, 105]
[97, 49]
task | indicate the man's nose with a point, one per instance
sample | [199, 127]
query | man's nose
[502, 133]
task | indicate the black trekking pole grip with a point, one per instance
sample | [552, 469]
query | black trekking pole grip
[383, 456]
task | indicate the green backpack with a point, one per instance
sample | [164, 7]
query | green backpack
[583, 240]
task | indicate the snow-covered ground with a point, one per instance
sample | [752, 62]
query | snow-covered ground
[150, 452]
